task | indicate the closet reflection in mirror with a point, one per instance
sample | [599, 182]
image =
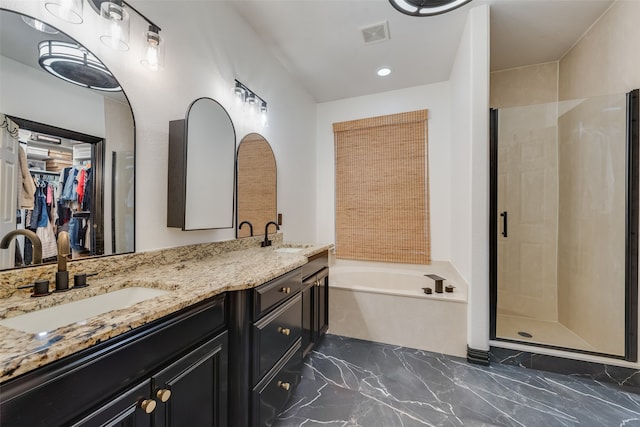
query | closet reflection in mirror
[257, 195]
[78, 147]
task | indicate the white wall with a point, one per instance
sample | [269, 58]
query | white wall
[470, 175]
[40, 97]
[433, 97]
[208, 45]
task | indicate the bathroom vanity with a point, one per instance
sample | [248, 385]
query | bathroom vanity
[223, 347]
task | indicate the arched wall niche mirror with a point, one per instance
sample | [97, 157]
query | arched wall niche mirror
[201, 168]
[257, 185]
[64, 129]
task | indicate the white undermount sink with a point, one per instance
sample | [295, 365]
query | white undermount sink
[51, 318]
[289, 250]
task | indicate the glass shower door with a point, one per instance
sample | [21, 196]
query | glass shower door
[562, 224]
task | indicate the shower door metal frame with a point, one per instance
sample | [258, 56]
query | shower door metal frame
[631, 236]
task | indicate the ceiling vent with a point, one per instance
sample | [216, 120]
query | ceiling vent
[375, 33]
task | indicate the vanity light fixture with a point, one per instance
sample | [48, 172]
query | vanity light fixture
[75, 64]
[39, 25]
[115, 25]
[248, 97]
[426, 7]
[67, 10]
[153, 56]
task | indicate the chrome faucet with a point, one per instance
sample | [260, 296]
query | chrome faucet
[35, 241]
[62, 275]
[250, 227]
[266, 241]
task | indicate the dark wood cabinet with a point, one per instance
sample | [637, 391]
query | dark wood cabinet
[315, 302]
[231, 361]
[115, 383]
[192, 390]
[265, 326]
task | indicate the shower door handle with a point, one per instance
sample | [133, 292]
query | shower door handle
[504, 223]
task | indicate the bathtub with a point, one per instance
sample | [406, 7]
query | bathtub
[385, 302]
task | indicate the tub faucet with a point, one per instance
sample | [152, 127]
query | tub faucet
[35, 241]
[62, 275]
[266, 241]
[250, 227]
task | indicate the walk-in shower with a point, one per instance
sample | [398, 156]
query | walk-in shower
[564, 224]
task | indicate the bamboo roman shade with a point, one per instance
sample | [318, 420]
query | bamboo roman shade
[382, 200]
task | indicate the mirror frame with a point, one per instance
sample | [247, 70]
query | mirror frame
[177, 187]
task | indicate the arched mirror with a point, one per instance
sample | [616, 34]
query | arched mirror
[257, 189]
[201, 168]
[72, 125]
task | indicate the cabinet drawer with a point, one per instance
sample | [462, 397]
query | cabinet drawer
[316, 263]
[270, 396]
[267, 296]
[274, 335]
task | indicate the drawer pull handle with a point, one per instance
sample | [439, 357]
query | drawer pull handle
[317, 283]
[163, 394]
[148, 405]
[284, 386]
[284, 331]
[285, 290]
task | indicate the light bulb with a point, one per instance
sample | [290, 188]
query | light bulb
[115, 25]
[153, 57]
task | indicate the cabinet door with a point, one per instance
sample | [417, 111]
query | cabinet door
[322, 302]
[308, 315]
[126, 410]
[193, 390]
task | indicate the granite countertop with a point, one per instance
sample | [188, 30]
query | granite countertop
[189, 282]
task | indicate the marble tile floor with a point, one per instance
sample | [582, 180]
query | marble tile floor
[353, 383]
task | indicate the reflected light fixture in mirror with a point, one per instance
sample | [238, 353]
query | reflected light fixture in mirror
[153, 56]
[426, 7]
[115, 25]
[67, 10]
[74, 64]
[39, 25]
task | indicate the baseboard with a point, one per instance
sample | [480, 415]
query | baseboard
[477, 357]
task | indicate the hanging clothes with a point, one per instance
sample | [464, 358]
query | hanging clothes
[44, 228]
[28, 187]
[69, 191]
[88, 190]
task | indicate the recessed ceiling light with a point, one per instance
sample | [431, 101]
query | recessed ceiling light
[384, 71]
